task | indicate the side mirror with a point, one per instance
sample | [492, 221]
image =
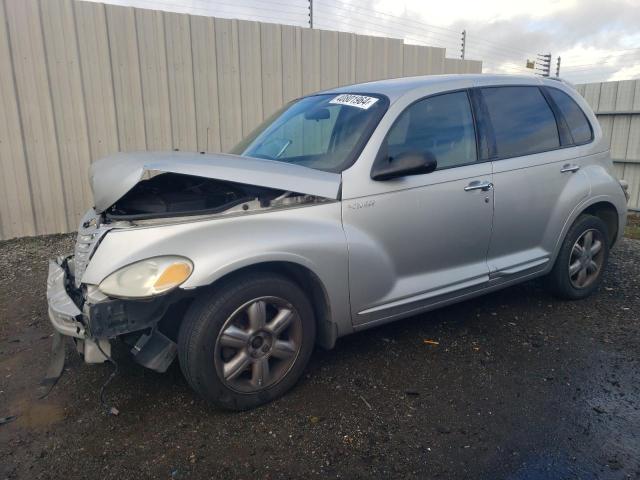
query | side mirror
[408, 163]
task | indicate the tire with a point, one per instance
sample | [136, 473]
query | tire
[563, 281]
[248, 342]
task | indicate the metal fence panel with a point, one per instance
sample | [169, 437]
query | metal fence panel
[272, 71]
[125, 71]
[250, 75]
[622, 129]
[68, 108]
[329, 61]
[154, 78]
[36, 116]
[228, 81]
[97, 80]
[181, 82]
[16, 209]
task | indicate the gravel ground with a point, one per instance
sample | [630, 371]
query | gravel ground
[520, 386]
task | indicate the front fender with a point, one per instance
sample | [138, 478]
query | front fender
[308, 236]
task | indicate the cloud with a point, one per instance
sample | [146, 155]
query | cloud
[587, 34]
[626, 72]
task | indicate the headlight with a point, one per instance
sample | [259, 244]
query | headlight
[147, 277]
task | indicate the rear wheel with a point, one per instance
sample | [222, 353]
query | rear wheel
[582, 259]
[249, 342]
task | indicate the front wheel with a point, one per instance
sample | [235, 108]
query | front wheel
[249, 342]
[583, 256]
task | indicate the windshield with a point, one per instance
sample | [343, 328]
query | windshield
[325, 132]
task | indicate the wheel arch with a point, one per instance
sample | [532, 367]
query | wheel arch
[309, 281]
[601, 206]
[608, 213]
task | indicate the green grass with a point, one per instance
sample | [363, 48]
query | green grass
[633, 227]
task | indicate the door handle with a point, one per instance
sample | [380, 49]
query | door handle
[569, 168]
[478, 185]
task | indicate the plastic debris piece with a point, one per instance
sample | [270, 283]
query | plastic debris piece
[56, 366]
[366, 403]
[9, 419]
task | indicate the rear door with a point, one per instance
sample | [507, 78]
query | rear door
[536, 176]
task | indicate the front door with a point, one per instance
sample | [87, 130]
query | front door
[425, 239]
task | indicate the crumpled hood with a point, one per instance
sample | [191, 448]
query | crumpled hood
[112, 177]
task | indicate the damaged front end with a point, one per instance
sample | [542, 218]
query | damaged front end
[145, 190]
[93, 319]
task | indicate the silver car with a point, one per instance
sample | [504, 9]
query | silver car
[345, 210]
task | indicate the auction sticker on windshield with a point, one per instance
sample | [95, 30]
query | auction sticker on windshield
[360, 101]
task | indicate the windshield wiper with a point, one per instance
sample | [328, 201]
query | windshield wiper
[286, 145]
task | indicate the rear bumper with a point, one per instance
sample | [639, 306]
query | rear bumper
[64, 314]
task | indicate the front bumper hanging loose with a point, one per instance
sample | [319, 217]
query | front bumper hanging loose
[64, 314]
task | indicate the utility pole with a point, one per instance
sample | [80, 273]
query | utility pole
[464, 44]
[558, 67]
[545, 62]
[310, 13]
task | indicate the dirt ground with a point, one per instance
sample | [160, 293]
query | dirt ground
[520, 386]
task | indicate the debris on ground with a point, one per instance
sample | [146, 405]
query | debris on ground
[366, 403]
[9, 419]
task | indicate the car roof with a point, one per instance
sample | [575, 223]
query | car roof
[395, 88]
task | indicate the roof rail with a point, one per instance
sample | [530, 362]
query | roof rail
[562, 80]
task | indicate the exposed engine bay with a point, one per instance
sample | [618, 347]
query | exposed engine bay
[177, 195]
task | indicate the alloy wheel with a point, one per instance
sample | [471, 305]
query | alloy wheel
[258, 344]
[586, 259]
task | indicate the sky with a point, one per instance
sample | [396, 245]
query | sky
[597, 40]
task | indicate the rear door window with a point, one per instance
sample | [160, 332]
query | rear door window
[573, 114]
[523, 123]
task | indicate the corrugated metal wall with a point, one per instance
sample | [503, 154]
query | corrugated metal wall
[81, 80]
[617, 106]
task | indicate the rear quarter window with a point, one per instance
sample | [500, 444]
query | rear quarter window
[579, 126]
[523, 123]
